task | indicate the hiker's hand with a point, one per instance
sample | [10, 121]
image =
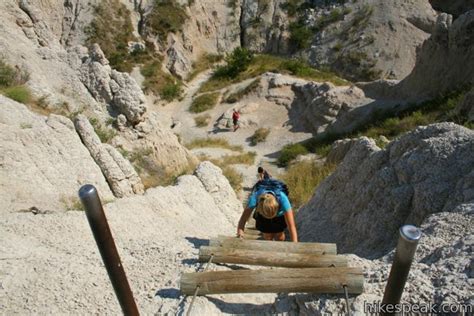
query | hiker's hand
[240, 233]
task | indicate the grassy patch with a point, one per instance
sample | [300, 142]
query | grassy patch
[203, 63]
[159, 82]
[259, 136]
[204, 102]
[290, 152]
[18, 93]
[104, 133]
[202, 120]
[166, 16]
[12, 83]
[302, 178]
[213, 142]
[269, 63]
[238, 95]
[234, 177]
[112, 29]
[247, 158]
[236, 62]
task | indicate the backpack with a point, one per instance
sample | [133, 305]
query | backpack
[273, 185]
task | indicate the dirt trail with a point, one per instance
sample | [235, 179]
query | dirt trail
[269, 115]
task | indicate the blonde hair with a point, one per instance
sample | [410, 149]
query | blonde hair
[267, 205]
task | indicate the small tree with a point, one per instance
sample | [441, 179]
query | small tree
[237, 62]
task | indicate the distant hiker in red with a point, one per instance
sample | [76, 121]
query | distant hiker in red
[235, 119]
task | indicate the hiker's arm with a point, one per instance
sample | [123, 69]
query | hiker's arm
[243, 219]
[290, 222]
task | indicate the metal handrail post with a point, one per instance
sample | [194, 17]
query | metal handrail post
[105, 242]
[404, 254]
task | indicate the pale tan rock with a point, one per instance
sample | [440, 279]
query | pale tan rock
[372, 192]
[43, 162]
[118, 171]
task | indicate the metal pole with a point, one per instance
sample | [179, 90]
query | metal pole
[100, 228]
[407, 242]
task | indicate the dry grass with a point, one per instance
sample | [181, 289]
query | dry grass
[204, 102]
[259, 136]
[303, 178]
[247, 158]
[202, 120]
[213, 142]
[204, 62]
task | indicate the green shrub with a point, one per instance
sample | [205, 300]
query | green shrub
[323, 150]
[104, 133]
[290, 152]
[171, 91]
[18, 93]
[7, 74]
[166, 16]
[202, 120]
[303, 178]
[236, 62]
[259, 136]
[292, 7]
[204, 102]
[300, 35]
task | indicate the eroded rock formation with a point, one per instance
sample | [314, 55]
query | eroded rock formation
[373, 191]
[42, 161]
[118, 171]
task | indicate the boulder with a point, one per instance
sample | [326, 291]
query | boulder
[339, 149]
[112, 87]
[118, 171]
[43, 162]
[166, 152]
[373, 191]
[323, 107]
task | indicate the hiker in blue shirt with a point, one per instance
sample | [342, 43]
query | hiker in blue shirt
[273, 214]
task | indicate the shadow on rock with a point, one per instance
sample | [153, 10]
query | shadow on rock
[197, 242]
[168, 293]
[236, 308]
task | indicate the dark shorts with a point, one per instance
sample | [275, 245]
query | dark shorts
[236, 122]
[274, 225]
